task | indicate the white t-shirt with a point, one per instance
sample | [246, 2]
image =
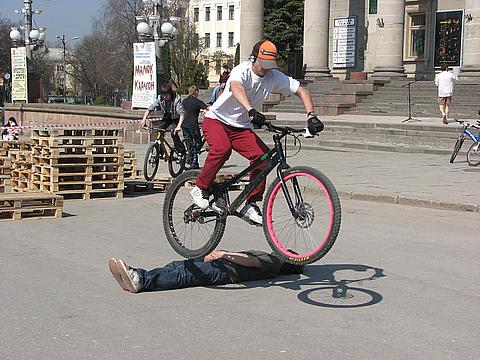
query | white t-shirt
[229, 111]
[445, 81]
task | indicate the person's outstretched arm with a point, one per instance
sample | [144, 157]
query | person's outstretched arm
[234, 257]
[306, 98]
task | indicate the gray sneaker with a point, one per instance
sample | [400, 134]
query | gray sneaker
[127, 277]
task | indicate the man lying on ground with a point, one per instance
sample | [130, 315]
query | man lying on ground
[217, 268]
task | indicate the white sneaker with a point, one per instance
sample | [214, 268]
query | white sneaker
[252, 212]
[200, 197]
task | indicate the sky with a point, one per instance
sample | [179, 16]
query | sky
[69, 17]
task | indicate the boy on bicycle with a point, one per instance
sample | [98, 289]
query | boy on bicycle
[173, 112]
[230, 121]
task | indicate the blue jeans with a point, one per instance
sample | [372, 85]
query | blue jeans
[193, 140]
[183, 274]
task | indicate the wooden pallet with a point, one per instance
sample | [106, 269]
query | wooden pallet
[78, 133]
[94, 194]
[130, 165]
[18, 206]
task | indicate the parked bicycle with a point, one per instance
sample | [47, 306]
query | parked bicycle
[302, 211]
[473, 153]
[174, 155]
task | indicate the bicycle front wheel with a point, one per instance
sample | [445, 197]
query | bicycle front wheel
[191, 231]
[308, 233]
[473, 154]
[457, 147]
[152, 159]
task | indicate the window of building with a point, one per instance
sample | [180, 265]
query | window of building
[230, 39]
[219, 13]
[372, 6]
[231, 12]
[206, 63]
[416, 36]
[207, 40]
[218, 66]
[219, 39]
[207, 13]
[195, 14]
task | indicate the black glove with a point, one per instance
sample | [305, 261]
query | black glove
[257, 118]
[314, 125]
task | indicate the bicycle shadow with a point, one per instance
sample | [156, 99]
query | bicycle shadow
[328, 285]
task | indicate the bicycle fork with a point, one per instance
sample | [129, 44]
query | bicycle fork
[296, 188]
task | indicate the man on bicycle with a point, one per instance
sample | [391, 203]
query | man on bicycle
[230, 121]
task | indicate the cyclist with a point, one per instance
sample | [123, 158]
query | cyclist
[228, 123]
[173, 112]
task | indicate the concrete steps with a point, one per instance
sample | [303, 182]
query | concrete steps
[401, 137]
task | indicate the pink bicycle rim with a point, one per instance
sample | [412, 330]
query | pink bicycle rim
[271, 230]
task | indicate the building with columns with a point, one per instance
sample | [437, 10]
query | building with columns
[383, 38]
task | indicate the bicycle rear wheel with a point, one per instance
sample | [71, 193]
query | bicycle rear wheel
[310, 235]
[176, 162]
[152, 159]
[457, 147]
[191, 231]
[473, 154]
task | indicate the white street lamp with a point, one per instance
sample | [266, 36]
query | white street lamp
[15, 35]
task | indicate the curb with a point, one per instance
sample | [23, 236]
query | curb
[409, 201]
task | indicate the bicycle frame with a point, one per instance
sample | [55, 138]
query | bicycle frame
[276, 158]
[472, 136]
[164, 145]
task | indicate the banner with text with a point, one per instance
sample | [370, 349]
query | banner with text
[19, 74]
[144, 75]
[344, 42]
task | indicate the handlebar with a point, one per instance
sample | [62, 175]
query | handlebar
[466, 124]
[283, 129]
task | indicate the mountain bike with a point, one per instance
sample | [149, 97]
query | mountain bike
[160, 148]
[301, 210]
[473, 154]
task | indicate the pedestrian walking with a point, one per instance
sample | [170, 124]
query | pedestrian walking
[218, 268]
[191, 130]
[445, 81]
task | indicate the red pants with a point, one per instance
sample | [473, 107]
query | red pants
[222, 139]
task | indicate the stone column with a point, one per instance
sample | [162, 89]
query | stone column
[251, 26]
[471, 42]
[315, 38]
[389, 58]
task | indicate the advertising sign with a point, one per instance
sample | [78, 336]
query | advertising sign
[144, 75]
[19, 74]
[344, 42]
[448, 38]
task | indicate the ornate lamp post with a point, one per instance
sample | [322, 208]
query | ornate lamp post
[150, 28]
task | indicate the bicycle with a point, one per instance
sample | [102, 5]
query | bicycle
[302, 211]
[473, 153]
[174, 155]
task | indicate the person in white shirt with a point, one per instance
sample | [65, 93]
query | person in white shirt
[230, 121]
[445, 81]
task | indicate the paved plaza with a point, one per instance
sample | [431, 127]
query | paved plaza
[400, 282]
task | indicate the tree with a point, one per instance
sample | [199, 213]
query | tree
[284, 23]
[5, 44]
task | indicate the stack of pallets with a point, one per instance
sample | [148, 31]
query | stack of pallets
[78, 164]
[17, 206]
[21, 170]
[130, 165]
[4, 166]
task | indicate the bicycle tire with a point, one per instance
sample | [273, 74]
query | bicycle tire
[457, 147]
[473, 154]
[184, 236]
[176, 162]
[325, 199]
[152, 160]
